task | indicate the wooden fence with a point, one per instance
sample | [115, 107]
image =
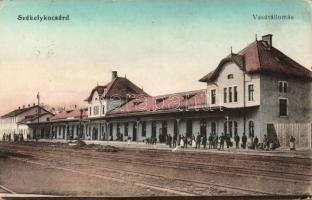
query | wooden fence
[301, 131]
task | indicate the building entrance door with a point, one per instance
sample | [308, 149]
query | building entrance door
[154, 129]
[175, 130]
[134, 132]
[203, 129]
[94, 133]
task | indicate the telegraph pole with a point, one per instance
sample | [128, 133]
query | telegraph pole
[38, 113]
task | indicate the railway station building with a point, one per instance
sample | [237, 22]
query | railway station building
[247, 93]
[15, 122]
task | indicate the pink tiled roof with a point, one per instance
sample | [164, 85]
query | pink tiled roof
[164, 102]
[260, 57]
[69, 114]
[22, 110]
[119, 87]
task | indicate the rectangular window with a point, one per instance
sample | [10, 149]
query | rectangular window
[90, 110]
[285, 87]
[235, 93]
[143, 129]
[250, 92]
[103, 110]
[213, 96]
[230, 94]
[96, 110]
[224, 94]
[283, 107]
[282, 86]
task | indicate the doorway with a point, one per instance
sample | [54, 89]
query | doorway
[134, 132]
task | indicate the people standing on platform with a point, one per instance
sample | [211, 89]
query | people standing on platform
[292, 141]
[210, 141]
[198, 141]
[244, 141]
[237, 138]
[194, 143]
[204, 141]
[227, 140]
[182, 141]
[169, 141]
[222, 142]
[256, 142]
[179, 139]
[185, 141]
[174, 141]
[129, 140]
[215, 141]
[266, 142]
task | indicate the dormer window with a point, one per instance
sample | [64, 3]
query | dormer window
[230, 76]
[188, 96]
[137, 102]
[161, 99]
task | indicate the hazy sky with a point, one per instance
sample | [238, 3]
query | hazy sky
[163, 45]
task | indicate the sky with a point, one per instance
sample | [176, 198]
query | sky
[164, 46]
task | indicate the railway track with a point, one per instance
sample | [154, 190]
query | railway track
[54, 157]
[125, 176]
[6, 190]
[204, 167]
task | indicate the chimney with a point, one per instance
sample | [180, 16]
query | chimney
[114, 75]
[19, 107]
[23, 106]
[268, 39]
[34, 104]
[28, 105]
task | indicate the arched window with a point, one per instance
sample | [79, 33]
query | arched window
[251, 129]
[213, 128]
[235, 128]
[225, 128]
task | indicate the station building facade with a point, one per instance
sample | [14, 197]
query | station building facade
[246, 93]
[15, 122]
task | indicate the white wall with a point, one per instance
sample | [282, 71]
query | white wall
[222, 82]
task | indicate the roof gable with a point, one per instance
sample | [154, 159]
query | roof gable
[259, 57]
[119, 87]
[22, 110]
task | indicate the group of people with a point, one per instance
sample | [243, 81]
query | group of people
[194, 141]
[213, 141]
[13, 138]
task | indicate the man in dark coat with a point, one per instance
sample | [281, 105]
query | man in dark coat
[185, 142]
[169, 141]
[198, 140]
[210, 141]
[256, 141]
[227, 140]
[174, 141]
[204, 141]
[237, 138]
[222, 142]
[244, 140]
